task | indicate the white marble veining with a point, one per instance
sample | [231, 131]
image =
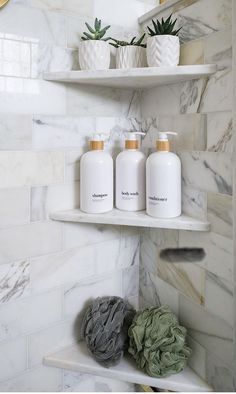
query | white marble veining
[220, 214]
[76, 358]
[140, 219]
[220, 132]
[14, 281]
[194, 202]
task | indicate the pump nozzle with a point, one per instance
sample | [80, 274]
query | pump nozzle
[132, 140]
[162, 140]
[97, 141]
[131, 135]
[163, 135]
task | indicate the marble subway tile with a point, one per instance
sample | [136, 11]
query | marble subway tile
[15, 58]
[26, 96]
[188, 278]
[80, 235]
[14, 281]
[36, 379]
[220, 214]
[77, 296]
[218, 49]
[219, 375]
[49, 340]
[148, 254]
[208, 171]
[129, 248]
[46, 199]
[194, 202]
[72, 164]
[218, 93]
[210, 331]
[218, 251]
[31, 168]
[197, 360]
[130, 282]
[220, 132]
[161, 99]
[30, 314]
[163, 238]
[14, 206]
[190, 97]
[15, 132]
[30, 241]
[13, 358]
[192, 53]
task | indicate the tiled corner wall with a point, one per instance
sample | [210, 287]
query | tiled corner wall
[48, 270]
[199, 288]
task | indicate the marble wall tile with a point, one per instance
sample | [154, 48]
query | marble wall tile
[77, 296]
[212, 332]
[218, 93]
[15, 132]
[79, 235]
[34, 24]
[13, 359]
[220, 132]
[30, 168]
[218, 251]
[218, 294]
[30, 314]
[15, 57]
[72, 164]
[218, 49]
[163, 238]
[148, 254]
[197, 360]
[46, 199]
[192, 52]
[159, 100]
[14, 206]
[130, 282]
[27, 96]
[194, 202]
[208, 171]
[219, 375]
[190, 97]
[30, 241]
[14, 281]
[48, 341]
[220, 214]
[40, 378]
[186, 277]
[80, 263]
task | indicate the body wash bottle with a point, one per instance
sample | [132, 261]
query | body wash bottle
[130, 175]
[163, 188]
[96, 178]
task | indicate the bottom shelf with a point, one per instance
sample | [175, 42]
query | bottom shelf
[76, 358]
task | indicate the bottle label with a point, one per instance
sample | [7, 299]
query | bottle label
[129, 195]
[154, 200]
[99, 197]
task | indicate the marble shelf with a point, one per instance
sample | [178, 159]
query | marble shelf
[133, 78]
[138, 219]
[76, 358]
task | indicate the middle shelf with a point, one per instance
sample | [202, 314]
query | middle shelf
[138, 219]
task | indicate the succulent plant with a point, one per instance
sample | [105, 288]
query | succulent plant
[96, 33]
[164, 27]
[137, 43]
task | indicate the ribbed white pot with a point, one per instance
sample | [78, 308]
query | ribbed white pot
[94, 55]
[163, 51]
[131, 56]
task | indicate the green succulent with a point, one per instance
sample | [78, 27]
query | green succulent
[163, 27]
[96, 33]
[137, 43]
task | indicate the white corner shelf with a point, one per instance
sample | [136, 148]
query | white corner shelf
[76, 358]
[133, 78]
[138, 219]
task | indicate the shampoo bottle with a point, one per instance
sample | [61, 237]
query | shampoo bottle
[163, 187]
[96, 178]
[130, 175]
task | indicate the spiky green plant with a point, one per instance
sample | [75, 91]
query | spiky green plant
[164, 27]
[96, 33]
[137, 43]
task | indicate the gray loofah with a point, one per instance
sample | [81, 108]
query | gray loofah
[105, 329]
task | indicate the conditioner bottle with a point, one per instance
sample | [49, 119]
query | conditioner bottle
[96, 178]
[163, 187]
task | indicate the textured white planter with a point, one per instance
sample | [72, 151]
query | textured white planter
[163, 51]
[94, 55]
[131, 56]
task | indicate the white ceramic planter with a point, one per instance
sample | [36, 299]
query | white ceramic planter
[131, 56]
[94, 55]
[163, 51]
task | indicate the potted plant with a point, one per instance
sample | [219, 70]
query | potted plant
[130, 54]
[163, 47]
[94, 50]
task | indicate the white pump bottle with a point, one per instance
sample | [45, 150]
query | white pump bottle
[130, 175]
[163, 180]
[96, 178]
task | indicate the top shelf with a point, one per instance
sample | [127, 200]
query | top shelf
[133, 78]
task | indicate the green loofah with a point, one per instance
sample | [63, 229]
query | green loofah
[157, 342]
